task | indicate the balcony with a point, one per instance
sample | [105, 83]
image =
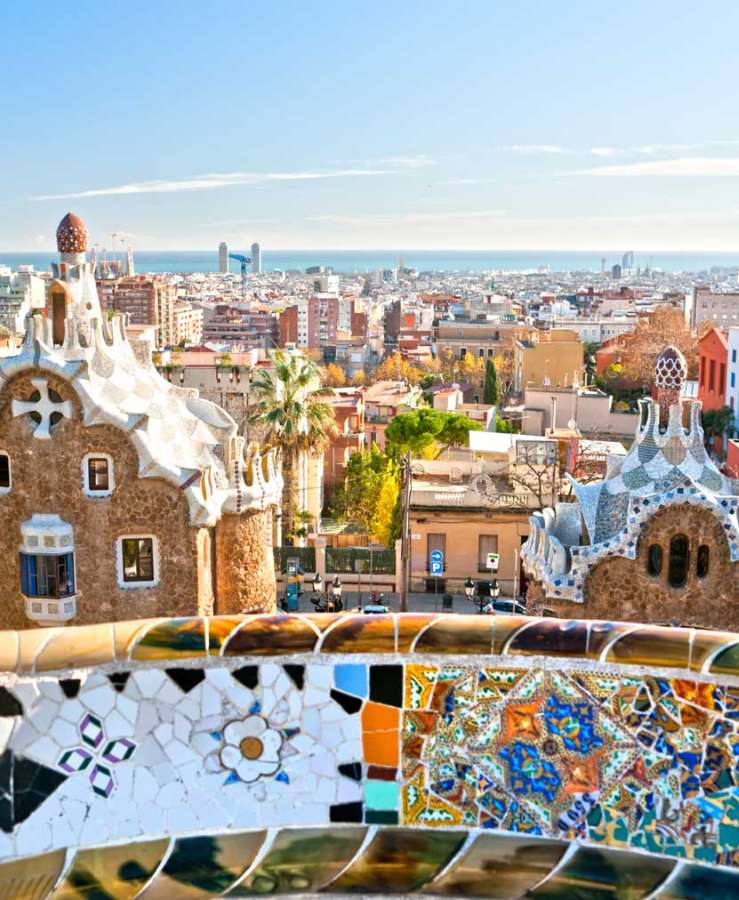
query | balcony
[51, 611]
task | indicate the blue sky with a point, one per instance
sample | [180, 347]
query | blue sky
[471, 125]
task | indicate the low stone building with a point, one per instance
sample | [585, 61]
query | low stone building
[657, 540]
[121, 495]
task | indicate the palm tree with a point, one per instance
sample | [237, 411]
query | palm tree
[291, 410]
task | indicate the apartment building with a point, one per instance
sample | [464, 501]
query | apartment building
[145, 300]
[187, 324]
[706, 305]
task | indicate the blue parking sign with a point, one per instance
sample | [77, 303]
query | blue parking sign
[436, 562]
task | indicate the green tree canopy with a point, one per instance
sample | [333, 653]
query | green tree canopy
[415, 432]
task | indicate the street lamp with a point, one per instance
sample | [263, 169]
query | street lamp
[336, 589]
[469, 588]
[494, 589]
[317, 590]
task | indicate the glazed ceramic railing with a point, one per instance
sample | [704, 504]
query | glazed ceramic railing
[454, 755]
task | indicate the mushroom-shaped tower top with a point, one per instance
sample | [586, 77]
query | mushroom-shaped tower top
[71, 235]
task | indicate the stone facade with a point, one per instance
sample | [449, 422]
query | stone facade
[172, 472]
[623, 588]
[246, 579]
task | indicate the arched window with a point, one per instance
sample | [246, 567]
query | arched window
[702, 561]
[677, 573]
[654, 559]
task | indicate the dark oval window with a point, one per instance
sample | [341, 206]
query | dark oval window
[702, 561]
[654, 559]
[677, 574]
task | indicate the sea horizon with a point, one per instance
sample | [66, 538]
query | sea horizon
[364, 261]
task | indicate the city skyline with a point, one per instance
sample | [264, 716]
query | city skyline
[374, 127]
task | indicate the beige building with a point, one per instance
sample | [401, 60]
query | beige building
[187, 324]
[550, 358]
[590, 409]
[484, 338]
[459, 509]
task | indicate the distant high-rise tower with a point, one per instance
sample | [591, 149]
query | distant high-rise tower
[628, 260]
[223, 257]
[602, 264]
[256, 259]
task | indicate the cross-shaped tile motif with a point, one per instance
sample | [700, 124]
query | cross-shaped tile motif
[44, 407]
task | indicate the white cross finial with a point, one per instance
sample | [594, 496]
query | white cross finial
[44, 407]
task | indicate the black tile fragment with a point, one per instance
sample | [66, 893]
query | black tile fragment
[351, 770]
[9, 704]
[186, 679]
[24, 785]
[386, 685]
[297, 674]
[346, 812]
[70, 687]
[348, 703]
[119, 680]
[247, 675]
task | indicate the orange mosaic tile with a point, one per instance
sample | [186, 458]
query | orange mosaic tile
[378, 717]
[361, 634]
[272, 636]
[381, 748]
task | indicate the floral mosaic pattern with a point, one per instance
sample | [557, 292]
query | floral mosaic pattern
[649, 763]
[96, 755]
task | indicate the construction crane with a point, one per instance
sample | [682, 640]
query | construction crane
[244, 260]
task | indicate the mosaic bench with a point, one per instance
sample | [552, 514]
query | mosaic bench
[448, 755]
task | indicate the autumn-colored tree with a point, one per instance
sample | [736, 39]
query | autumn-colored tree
[666, 326]
[394, 367]
[359, 378]
[333, 375]
[384, 522]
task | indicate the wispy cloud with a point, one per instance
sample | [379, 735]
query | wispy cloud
[683, 167]
[553, 149]
[419, 161]
[219, 180]
[414, 218]
[456, 181]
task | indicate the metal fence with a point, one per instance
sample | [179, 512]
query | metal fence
[306, 555]
[359, 560]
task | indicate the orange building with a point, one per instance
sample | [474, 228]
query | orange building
[713, 351]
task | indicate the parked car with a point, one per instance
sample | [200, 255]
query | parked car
[505, 606]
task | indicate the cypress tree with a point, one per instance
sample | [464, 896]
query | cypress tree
[490, 390]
